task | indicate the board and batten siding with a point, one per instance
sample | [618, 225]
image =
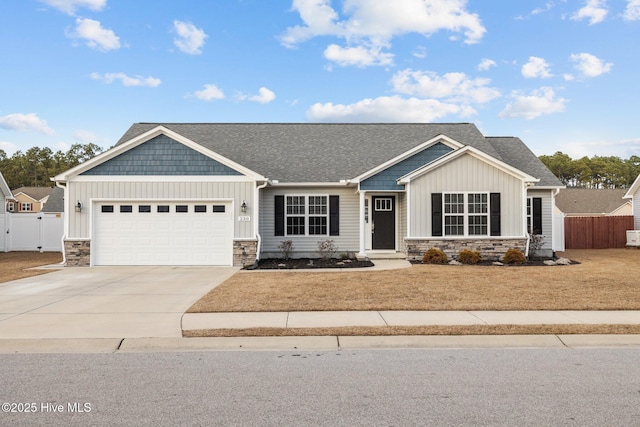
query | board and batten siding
[85, 191]
[306, 246]
[467, 174]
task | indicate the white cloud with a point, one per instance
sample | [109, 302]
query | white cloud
[94, 35]
[209, 93]
[264, 96]
[593, 10]
[69, 6]
[535, 104]
[590, 65]
[485, 64]
[8, 147]
[453, 87]
[25, 122]
[385, 109]
[632, 11]
[86, 137]
[369, 26]
[127, 80]
[190, 38]
[359, 56]
[536, 67]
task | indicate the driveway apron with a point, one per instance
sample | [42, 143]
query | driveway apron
[104, 302]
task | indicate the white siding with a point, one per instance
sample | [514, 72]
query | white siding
[547, 216]
[467, 174]
[79, 223]
[636, 210]
[306, 246]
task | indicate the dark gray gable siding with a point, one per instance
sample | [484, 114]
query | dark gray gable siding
[161, 156]
[386, 179]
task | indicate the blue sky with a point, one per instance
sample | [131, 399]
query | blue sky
[560, 74]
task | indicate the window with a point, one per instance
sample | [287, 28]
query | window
[466, 214]
[182, 208]
[26, 207]
[217, 209]
[107, 209]
[126, 208]
[383, 205]
[306, 215]
[163, 209]
[200, 208]
[454, 214]
[295, 215]
[534, 215]
[144, 209]
[10, 207]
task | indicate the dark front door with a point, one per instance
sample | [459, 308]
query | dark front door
[383, 226]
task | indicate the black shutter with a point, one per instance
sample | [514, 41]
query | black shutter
[537, 215]
[494, 209]
[436, 214]
[334, 215]
[279, 210]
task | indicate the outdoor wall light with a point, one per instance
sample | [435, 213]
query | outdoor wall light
[243, 207]
[79, 206]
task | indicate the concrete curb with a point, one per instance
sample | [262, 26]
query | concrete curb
[316, 343]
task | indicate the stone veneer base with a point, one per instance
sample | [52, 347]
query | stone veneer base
[490, 249]
[77, 253]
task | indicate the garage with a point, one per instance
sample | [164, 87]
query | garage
[162, 233]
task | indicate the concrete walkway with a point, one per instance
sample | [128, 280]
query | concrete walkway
[318, 319]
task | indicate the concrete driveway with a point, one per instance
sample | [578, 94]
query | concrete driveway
[104, 302]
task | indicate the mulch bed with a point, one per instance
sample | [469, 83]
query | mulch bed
[310, 263]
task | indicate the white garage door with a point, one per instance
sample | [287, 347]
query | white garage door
[162, 233]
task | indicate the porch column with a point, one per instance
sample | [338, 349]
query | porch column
[363, 226]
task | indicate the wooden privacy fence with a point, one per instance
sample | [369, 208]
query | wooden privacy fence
[596, 232]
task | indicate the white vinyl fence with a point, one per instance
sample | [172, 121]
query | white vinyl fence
[32, 232]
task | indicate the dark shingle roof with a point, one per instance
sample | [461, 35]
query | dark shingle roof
[322, 152]
[55, 202]
[588, 201]
[515, 153]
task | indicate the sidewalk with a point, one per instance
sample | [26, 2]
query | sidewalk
[318, 319]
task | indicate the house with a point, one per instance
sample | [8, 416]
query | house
[593, 202]
[5, 194]
[227, 194]
[633, 194]
[28, 199]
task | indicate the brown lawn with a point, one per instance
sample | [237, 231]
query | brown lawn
[16, 265]
[604, 280]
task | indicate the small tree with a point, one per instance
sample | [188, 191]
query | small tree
[326, 249]
[535, 244]
[286, 247]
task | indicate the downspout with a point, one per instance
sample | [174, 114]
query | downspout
[66, 221]
[256, 203]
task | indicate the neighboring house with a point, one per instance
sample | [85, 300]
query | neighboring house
[226, 194]
[29, 199]
[633, 194]
[5, 194]
[593, 202]
[55, 202]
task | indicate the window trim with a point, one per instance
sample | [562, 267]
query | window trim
[466, 214]
[306, 216]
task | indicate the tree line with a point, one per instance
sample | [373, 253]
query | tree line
[594, 172]
[35, 167]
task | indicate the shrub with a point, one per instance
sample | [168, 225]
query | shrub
[286, 247]
[326, 249]
[514, 256]
[434, 256]
[467, 256]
